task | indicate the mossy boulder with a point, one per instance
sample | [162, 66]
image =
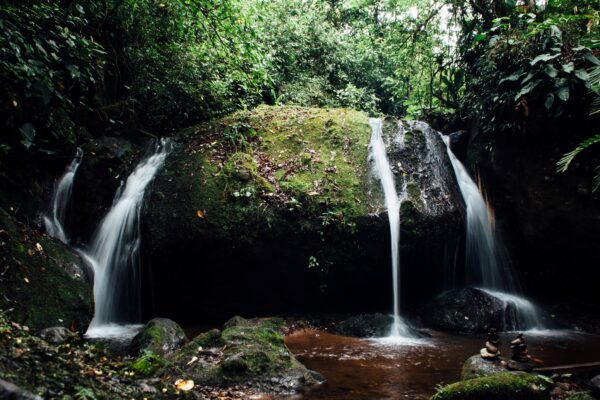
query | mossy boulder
[503, 386]
[277, 208]
[160, 336]
[43, 281]
[477, 367]
[249, 352]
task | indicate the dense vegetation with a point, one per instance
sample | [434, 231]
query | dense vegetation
[119, 65]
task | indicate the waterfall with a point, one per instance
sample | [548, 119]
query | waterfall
[114, 254]
[54, 221]
[383, 172]
[486, 261]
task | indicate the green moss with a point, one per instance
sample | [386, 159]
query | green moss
[40, 283]
[148, 363]
[503, 386]
[414, 192]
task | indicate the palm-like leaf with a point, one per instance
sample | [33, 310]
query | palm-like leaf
[563, 164]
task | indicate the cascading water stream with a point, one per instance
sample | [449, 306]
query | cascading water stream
[114, 254]
[486, 260]
[383, 172]
[55, 220]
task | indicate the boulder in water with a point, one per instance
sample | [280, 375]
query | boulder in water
[293, 219]
[365, 326]
[502, 386]
[477, 367]
[160, 336]
[467, 310]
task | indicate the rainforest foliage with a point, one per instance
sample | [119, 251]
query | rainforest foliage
[72, 69]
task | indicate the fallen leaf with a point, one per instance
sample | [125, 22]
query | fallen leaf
[39, 247]
[184, 385]
[201, 214]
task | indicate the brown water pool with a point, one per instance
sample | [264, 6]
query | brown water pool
[373, 369]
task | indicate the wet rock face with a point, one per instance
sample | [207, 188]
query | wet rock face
[290, 220]
[43, 281]
[8, 391]
[160, 336]
[467, 310]
[432, 211]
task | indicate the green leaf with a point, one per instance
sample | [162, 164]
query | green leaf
[512, 78]
[563, 164]
[544, 58]
[27, 134]
[563, 93]
[549, 101]
[582, 74]
[550, 70]
[480, 37]
[568, 68]
[591, 58]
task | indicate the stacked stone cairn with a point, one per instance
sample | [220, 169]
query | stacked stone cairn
[490, 351]
[519, 350]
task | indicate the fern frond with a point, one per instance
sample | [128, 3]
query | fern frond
[596, 183]
[563, 164]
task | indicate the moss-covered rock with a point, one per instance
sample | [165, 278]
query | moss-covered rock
[249, 352]
[278, 205]
[42, 282]
[477, 367]
[160, 336]
[503, 386]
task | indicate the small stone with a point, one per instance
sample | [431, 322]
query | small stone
[57, 335]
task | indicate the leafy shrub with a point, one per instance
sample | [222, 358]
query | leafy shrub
[49, 71]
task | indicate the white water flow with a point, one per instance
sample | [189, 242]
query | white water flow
[487, 264]
[54, 221]
[114, 254]
[383, 172]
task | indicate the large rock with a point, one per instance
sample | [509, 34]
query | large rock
[365, 326]
[275, 209]
[595, 385]
[477, 367]
[43, 281]
[160, 336]
[504, 386]
[8, 391]
[248, 352]
[467, 310]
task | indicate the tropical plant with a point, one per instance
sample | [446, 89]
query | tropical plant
[564, 163]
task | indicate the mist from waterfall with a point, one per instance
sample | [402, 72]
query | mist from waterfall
[54, 221]
[383, 171]
[487, 265]
[114, 253]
